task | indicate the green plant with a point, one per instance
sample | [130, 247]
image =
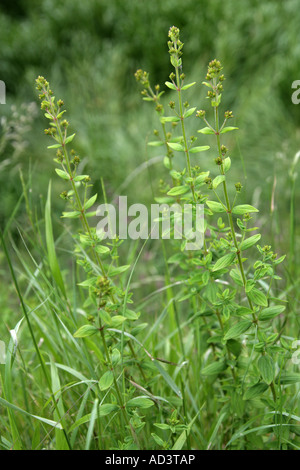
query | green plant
[240, 317]
[203, 361]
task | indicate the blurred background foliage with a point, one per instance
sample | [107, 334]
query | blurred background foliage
[89, 52]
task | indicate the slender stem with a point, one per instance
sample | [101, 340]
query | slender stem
[230, 218]
[186, 149]
[229, 213]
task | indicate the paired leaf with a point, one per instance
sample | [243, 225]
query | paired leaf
[244, 209]
[238, 329]
[206, 130]
[171, 85]
[225, 261]
[228, 129]
[189, 112]
[139, 402]
[177, 190]
[214, 368]
[218, 180]
[258, 297]
[215, 206]
[255, 391]
[106, 380]
[199, 149]
[62, 174]
[266, 368]
[271, 312]
[175, 146]
[249, 242]
[85, 330]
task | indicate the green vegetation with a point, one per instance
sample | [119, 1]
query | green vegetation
[144, 344]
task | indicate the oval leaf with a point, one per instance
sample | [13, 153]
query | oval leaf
[215, 206]
[214, 368]
[243, 209]
[223, 262]
[249, 242]
[258, 297]
[106, 380]
[238, 329]
[270, 312]
[266, 368]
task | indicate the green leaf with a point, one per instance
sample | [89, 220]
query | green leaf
[267, 368]
[117, 320]
[88, 282]
[177, 190]
[158, 440]
[55, 146]
[189, 112]
[201, 148]
[71, 215]
[91, 201]
[243, 209]
[206, 130]
[156, 143]
[228, 129]
[223, 262]
[105, 316]
[270, 312]
[102, 249]
[131, 315]
[214, 368]
[218, 180]
[255, 391]
[227, 164]
[200, 178]
[249, 242]
[164, 119]
[107, 408]
[171, 85]
[80, 177]
[215, 206]
[139, 402]
[163, 426]
[176, 147]
[258, 297]
[115, 357]
[106, 380]
[69, 139]
[164, 200]
[236, 276]
[85, 330]
[238, 329]
[114, 271]
[62, 174]
[185, 87]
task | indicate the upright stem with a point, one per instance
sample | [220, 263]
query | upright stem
[229, 213]
[230, 218]
[186, 149]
